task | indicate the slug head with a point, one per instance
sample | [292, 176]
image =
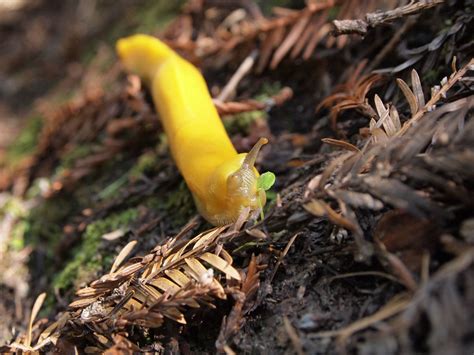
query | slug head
[242, 185]
[234, 186]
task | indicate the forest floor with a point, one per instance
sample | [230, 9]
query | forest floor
[367, 240]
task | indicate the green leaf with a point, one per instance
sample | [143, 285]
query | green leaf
[266, 180]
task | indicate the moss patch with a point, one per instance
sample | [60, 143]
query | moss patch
[87, 258]
[145, 163]
[180, 205]
[157, 15]
[14, 208]
[43, 224]
[81, 151]
[26, 142]
[177, 204]
[241, 122]
[148, 17]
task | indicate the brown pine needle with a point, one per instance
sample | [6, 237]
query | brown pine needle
[34, 312]
[283, 254]
[293, 335]
[397, 305]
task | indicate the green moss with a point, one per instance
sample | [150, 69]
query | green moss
[146, 162]
[14, 208]
[87, 258]
[113, 188]
[147, 17]
[141, 17]
[69, 159]
[241, 122]
[268, 90]
[25, 144]
[271, 197]
[178, 204]
[43, 224]
[17, 240]
[333, 12]
[157, 15]
[39, 226]
[163, 144]
[267, 5]
[36, 188]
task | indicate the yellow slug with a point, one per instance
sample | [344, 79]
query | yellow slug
[223, 182]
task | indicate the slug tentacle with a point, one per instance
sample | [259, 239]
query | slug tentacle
[223, 182]
[251, 156]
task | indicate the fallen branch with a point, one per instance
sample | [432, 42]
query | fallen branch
[374, 19]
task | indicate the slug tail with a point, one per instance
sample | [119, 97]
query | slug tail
[143, 55]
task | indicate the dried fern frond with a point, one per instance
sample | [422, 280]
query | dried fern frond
[384, 118]
[375, 175]
[96, 119]
[388, 116]
[173, 279]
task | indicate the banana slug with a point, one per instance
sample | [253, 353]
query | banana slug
[222, 182]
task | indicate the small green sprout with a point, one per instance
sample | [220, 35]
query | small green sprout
[264, 183]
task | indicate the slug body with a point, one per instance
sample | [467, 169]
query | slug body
[222, 182]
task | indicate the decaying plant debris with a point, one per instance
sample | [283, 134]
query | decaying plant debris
[367, 246]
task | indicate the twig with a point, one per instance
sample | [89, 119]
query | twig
[425, 268]
[387, 311]
[375, 19]
[400, 269]
[364, 273]
[243, 69]
[342, 27]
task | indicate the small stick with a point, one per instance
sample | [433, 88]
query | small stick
[283, 254]
[374, 19]
[243, 70]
